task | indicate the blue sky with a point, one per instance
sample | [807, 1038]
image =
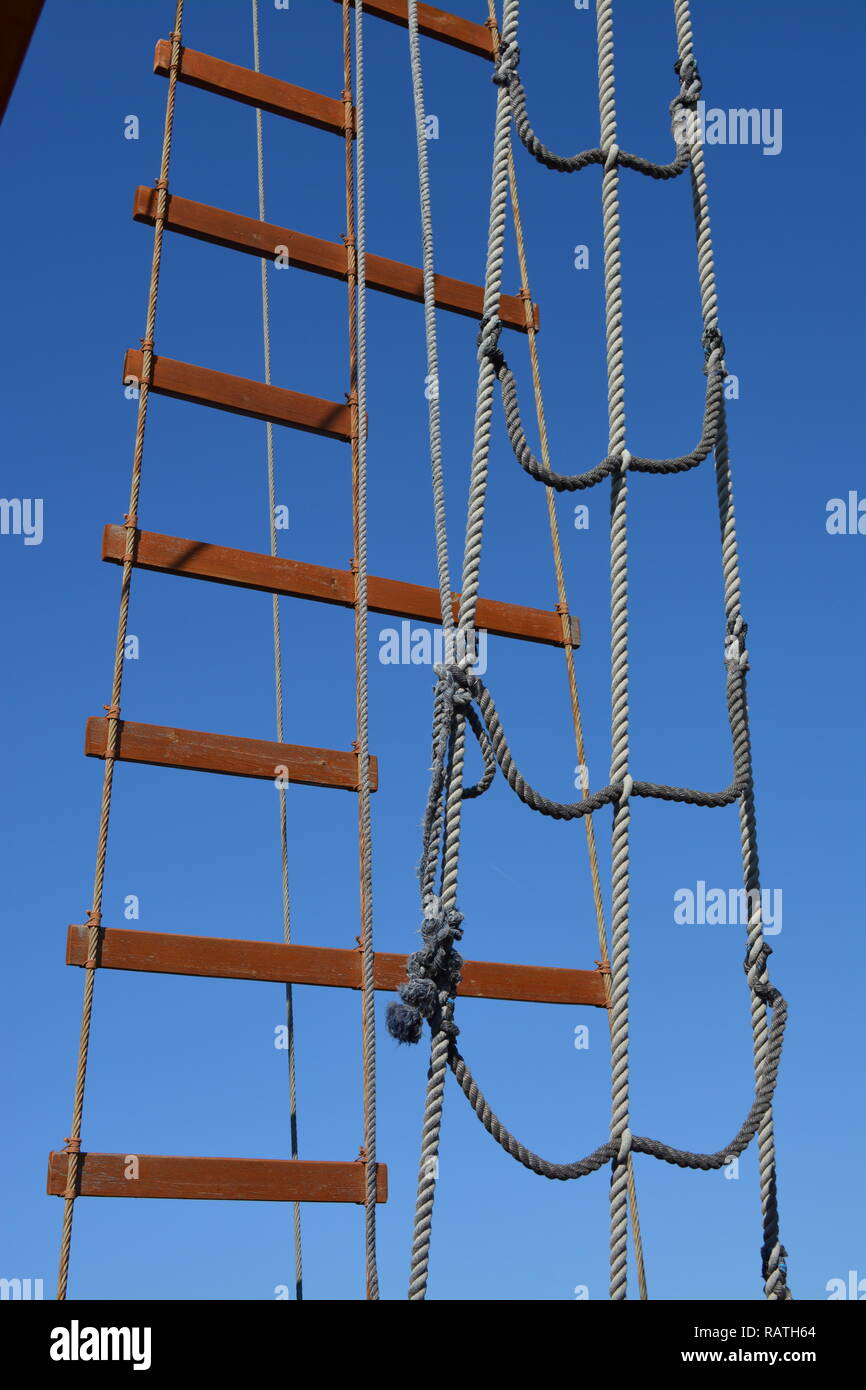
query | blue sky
[189, 1066]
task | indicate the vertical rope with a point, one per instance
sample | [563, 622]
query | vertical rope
[562, 606]
[620, 885]
[356, 253]
[773, 1253]
[278, 682]
[443, 1030]
[94, 921]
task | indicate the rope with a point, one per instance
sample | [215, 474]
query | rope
[278, 680]
[356, 250]
[443, 908]
[94, 919]
[773, 1252]
[568, 649]
[434, 972]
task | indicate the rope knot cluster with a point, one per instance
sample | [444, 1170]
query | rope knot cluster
[432, 972]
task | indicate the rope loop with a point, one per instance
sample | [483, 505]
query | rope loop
[690, 83]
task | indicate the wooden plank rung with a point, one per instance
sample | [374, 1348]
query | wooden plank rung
[296, 579]
[241, 396]
[214, 1179]
[311, 253]
[435, 24]
[169, 953]
[253, 88]
[194, 751]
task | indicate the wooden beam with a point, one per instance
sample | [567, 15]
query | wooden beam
[166, 953]
[330, 258]
[20, 18]
[252, 88]
[215, 1179]
[238, 757]
[435, 24]
[295, 579]
[241, 396]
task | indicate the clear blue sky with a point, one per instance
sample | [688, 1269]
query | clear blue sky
[188, 1066]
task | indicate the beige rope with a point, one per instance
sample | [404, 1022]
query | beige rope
[562, 609]
[278, 682]
[94, 921]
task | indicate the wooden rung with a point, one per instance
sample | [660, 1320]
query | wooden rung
[252, 88]
[239, 757]
[166, 953]
[214, 1179]
[295, 579]
[241, 396]
[435, 24]
[330, 258]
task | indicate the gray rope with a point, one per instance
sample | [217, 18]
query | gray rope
[434, 972]
[368, 958]
[774, 1266]
[765, 1083]
[713, 403]
[278, 680]
[507, 72]
[442, 1027]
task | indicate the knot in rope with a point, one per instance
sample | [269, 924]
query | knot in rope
[488, 341]
[755, 967]
[712, 341]
[690, 83]
[506, 63]
[736, 655]
[432, 971]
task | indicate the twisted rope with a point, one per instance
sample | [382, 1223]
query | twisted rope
[356, 241]
[442, 1026]
[434, 972]
[94, 920]
[773, 1253]
[278, 684]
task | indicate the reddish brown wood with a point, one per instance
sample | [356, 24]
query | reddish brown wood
[20, 18]
[436, 24]
[252, 88]
[330, 258]
[166, 953]
[239, 757]
[295, 579]
[241, 396]
[215, 1179]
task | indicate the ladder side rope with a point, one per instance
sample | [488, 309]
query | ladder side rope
[442, 919]
[278, 682]
[433, 989]
[94, 916]
[568, 649]
[356, 242]
[773, 1253]
[620, 1132]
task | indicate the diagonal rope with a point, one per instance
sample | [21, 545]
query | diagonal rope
[278, 681]
[562, 606]
[94, 918]
[356, 241]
